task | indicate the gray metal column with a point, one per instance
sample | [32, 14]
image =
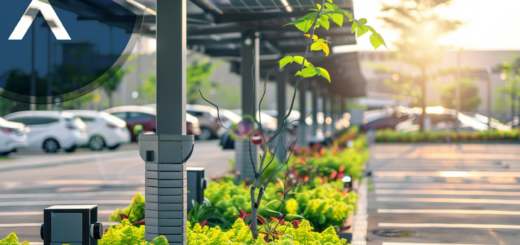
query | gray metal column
[250, 79]
[337, 112]
[166, 152]
[315, 96]
[281, 91]
[302, 126]
[324, 109]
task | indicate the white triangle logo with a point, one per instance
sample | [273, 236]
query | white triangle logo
[48, 13]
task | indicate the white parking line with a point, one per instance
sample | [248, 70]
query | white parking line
[105, 224]
[73, 194]
[406, 243]
[447, 192]
[66, 202]
[460, 174]
[445, 211]
[446, 200]
[439, 225]
[444, 186]
[41, 213]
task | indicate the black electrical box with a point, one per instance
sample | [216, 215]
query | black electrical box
[196, 186]
[71, 224]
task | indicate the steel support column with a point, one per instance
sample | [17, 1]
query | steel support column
[326, 112]
[315, 96]
[281, 92]
[324, 109]
[302, 125]
[166, 152]
[250, 78]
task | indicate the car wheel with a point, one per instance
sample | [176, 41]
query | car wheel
[96, 143]
[114, 147]
[205, 134]
[71, 149]
[51, 146]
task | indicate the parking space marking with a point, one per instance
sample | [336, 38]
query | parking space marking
[440, 225]
[446, 200]
[407, 243]
[66, 202]
[447, 192]
[445, 211]
[445, 186]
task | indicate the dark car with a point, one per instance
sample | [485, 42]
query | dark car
[146, 117]
[384, 123]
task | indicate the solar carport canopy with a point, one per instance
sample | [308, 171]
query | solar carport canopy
[215, 28]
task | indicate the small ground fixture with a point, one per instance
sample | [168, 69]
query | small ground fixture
[196, 186]
[71, 224]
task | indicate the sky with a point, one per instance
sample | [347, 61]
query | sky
[489, 25]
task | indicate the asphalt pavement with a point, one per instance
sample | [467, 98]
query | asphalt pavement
[32, 180]
[433, 194]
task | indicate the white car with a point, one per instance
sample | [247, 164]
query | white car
[52, 130]
[104, 130]
[12, 137]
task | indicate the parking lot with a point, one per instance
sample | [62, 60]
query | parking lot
[32, 180]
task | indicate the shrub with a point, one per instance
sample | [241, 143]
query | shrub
[134, 212]
[324, 206]
[12, 239]
[125, 233]
[240, 234]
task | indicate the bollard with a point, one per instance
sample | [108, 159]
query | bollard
[71, 224]
[166, 185]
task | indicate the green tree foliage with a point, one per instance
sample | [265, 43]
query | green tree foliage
[117, 75]
[419, 26]
[511, 89]
[198, 76]
[468, 95]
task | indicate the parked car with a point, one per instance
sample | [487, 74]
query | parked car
[514, 123]
[146, 117]
[52, 130]
[12, 137]
[104, 130]
[208, 120]
[389, 122]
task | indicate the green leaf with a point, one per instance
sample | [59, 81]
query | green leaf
[307, 72]
[338, 19]
[380, 38]
[307, 17]
[299, 60]
[316, 46]
[324, 73]
[330, 6]
[375, 41]
[330, 1]
[361, 32]
[319, 6]
[363, 20]
[285, 60]
[324, 22]
[371, 29]
[304, 26]
[353, 28]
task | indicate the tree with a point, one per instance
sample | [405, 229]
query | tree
[419, 28]
[198, 75]
[468, 95]
[110, 86]
[511, 89]
[319, 17]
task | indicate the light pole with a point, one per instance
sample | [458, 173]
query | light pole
[488, 70]
[167, 152]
